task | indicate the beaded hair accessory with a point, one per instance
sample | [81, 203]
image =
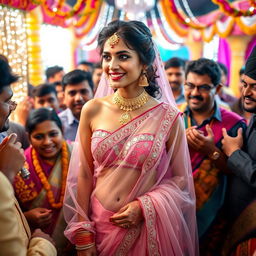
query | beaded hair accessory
[113, 40]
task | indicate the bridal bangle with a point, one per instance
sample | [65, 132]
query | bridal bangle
[84, 240]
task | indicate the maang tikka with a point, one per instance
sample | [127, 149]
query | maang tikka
[113, 40]
[143, 81]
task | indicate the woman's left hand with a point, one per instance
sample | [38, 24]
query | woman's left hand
[128, 216]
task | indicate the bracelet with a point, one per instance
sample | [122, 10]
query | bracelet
[84, 247]
[84, 238]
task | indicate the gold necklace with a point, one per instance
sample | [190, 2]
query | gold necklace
[129, 105]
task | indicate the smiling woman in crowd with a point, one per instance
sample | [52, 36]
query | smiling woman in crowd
[41, 195]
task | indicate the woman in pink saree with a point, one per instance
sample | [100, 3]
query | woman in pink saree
[130, 188]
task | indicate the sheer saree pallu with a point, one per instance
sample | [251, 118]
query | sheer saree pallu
[136, 162]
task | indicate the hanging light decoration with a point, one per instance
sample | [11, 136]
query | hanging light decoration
[13, 45]
[135, 9]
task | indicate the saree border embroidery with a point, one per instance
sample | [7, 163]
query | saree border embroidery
[119, 135]
[150, 219]
[165, 126]
[127, 242]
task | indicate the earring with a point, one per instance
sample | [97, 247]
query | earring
[143, 80]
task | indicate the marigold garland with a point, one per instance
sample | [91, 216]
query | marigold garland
[44, 180]
[180, 18]
[252, 3]
[59, 9]
[171, 19]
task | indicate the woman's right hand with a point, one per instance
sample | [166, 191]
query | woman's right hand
[88, 252]
[39, 217]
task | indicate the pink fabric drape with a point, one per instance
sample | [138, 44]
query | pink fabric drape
[148, 160]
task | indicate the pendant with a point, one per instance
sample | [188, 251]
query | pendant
[125, 118]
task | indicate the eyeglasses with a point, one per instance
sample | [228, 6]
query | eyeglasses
[205, 88]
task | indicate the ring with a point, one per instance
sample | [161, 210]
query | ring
[126, 226]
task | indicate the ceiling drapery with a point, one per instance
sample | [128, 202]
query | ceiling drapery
[170, 20]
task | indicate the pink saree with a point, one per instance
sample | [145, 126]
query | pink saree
[137, 159]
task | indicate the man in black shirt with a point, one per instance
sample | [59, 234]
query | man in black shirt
[242, 161]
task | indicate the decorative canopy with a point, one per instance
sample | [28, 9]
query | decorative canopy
[169, 20]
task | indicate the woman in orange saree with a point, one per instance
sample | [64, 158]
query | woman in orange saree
[41, 195]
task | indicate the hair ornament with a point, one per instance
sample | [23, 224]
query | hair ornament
[113, 40]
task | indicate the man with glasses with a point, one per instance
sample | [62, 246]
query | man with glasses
[78, 89]
[204, 121]
[242, 161]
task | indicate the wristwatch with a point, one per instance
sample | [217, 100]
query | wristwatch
[215, 155]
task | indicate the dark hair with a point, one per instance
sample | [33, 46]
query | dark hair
[75, 77]
[96, 65]
[205, 66]
[175, 63]
[51, 71]
[241, 71]
[87, 63]
[44, 89]
[40, 115]
[6, 75]
[137, 36]
[223, 68]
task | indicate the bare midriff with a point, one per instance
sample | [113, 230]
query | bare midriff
[112, 192]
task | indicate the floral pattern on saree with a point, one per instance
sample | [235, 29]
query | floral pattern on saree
[25, 191]
[146, 202]
[150, 216]
[116, 137]
[206, 179]
[128, 241]
[165, 126]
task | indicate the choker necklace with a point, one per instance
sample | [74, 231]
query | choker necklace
[129, 105]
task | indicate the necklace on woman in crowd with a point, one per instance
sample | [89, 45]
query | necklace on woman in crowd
[44, 179]
[129, 105]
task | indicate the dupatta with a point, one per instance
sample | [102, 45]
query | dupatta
[158, 175]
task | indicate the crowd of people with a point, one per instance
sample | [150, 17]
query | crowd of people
[129, 156]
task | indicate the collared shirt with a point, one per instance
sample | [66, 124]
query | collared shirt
[181, 98]
[2, 136]
[217, 116]
[210, 209]
[70, 124]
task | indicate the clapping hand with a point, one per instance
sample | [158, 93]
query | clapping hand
[199, 142]
[231, 144]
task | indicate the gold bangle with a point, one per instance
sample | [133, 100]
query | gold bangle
[84, 247]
